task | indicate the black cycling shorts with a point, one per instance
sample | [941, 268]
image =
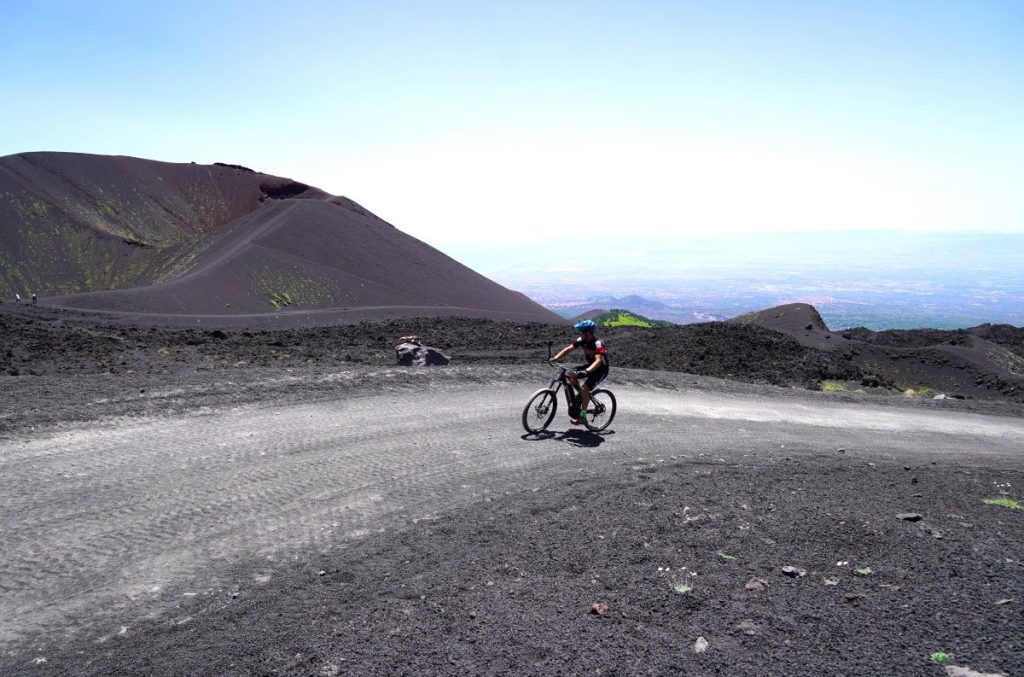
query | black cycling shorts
[595, 376]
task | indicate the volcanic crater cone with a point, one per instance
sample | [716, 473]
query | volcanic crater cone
[137, 237]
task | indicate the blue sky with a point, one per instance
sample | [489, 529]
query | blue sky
[535, 121]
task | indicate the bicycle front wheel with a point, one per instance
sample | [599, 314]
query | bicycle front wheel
[601, 410]
[539, 410]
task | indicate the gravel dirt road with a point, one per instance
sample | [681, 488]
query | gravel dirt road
[109, 526]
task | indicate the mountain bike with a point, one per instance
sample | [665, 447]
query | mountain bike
[543, 404]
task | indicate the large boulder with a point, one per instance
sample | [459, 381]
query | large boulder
[409, 354]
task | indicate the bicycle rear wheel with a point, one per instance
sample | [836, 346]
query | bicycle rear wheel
[539, 410]
[601, 410]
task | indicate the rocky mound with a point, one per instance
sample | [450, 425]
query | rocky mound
[131, 236]
[983, 362]
[799, 320]
[1005, 335]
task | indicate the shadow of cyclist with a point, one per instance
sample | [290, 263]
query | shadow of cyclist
[574, 436]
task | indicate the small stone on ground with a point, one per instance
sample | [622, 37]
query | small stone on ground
[959, 671]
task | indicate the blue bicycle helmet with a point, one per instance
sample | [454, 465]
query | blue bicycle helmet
[584, 325]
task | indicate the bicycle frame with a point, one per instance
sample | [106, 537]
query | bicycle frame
[572, 392]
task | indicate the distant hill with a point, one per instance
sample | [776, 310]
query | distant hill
[623, 318]
[589, 314]
[126, 235]
[633, 302]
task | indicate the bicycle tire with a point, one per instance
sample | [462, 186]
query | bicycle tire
[600, 411]
[540, 410]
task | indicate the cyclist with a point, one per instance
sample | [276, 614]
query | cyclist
[593, 371]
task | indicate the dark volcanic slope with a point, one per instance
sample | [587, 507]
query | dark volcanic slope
[301, 254]
[73, 222]
[130, 236]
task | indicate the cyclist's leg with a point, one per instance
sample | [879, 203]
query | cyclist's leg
[592, 380]
[574, 412]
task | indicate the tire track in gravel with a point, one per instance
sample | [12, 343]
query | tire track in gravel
[99, 517]
[102, 525]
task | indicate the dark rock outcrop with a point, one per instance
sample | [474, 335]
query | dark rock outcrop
[410, 354]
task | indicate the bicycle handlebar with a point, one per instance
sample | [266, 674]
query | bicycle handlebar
[559, 365]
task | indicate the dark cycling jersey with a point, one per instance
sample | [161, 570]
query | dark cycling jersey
[593, 348]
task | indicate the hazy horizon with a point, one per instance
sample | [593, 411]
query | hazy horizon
[881, 280]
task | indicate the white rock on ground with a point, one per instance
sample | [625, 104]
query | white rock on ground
[958, 671]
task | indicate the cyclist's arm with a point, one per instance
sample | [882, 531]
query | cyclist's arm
[595, 364]
[563, 352]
